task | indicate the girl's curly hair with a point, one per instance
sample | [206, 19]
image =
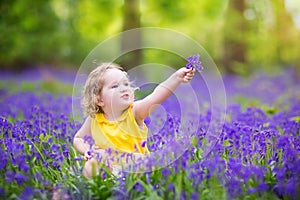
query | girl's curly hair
[93, 87]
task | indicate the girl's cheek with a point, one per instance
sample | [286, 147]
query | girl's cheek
[132, 96]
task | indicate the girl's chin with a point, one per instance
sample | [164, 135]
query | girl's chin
[125, 105]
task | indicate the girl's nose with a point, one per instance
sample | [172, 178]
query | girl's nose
[123, 88]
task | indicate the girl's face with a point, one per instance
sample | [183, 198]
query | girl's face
[116, 94]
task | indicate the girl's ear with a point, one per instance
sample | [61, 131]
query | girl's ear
[98, 100]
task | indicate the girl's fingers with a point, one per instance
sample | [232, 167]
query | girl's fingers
[190, 75]
[187, 78]
[187, 74]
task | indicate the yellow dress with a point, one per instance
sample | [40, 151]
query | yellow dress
[123, 135]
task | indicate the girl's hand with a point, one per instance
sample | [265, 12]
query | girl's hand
[185, 75]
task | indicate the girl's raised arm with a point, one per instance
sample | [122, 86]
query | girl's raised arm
[142, 108]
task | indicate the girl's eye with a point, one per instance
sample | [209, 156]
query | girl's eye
[114, 86]
[126, 84]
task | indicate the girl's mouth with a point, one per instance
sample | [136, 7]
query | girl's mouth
[125, 96]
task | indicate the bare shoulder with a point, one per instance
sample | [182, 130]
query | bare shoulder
[85, 128]
[136, 107]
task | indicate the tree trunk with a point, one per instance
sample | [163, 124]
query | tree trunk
[131, 42]
[287, 37]
[234, 41]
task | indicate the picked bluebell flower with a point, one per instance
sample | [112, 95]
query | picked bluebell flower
[194, 62]
[88, 155]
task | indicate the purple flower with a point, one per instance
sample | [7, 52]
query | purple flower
[27, 193]
[138, 187]
[3, 159]
[183, 195]
[252, 190]
[108, 151]
[89, 140]
[143, 143]
[9, 176]
[291, 188]
[234, 188]
[24, 166]
[262, 187]
[78, 159]
[194, 195]
[147, 120]
[166, 172]
[55, 147]
[171, 187]
[50, 140]
[279, 189]
[20, 178]
[194, 62]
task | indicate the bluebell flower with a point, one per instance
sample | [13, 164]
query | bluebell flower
[78, 158]
[9, 176]
[89, 140]
[143, 143]
[251, 190]
[171, 187]
[45, 164]
[279, 189]
[147, 121]
[24, 166]
[55, 147]
[165, 172]
[138, 187]
[20, 178]
[3, 159]
[50, 140]
[262, 187]
[194, 196]
[234, 188]
[292, 187]
[194, 62]
[183, 195]
[27, 193]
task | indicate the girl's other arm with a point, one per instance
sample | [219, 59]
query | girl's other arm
[144, 107]
[78, 141]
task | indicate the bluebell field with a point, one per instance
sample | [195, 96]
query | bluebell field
[256, 154]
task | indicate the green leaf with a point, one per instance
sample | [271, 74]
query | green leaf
[270, 110]
[226, 143]
[296, 119]
[195, 141]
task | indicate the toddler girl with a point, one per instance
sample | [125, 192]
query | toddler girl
[114, 120]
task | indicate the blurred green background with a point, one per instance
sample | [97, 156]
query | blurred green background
[240, 35]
